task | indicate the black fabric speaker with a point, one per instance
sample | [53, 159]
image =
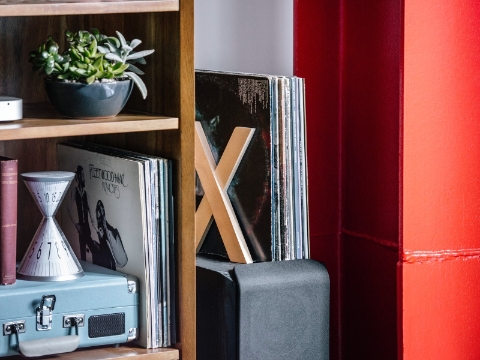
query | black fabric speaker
[106, 325]
[265, 311]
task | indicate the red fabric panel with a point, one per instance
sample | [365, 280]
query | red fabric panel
[369, 291]
[440, 307]
[371, 159]
[316, 34]
[349, 54]
[441, 180]
[442, 127]
[371, 119]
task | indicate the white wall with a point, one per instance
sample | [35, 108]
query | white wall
[244, 35]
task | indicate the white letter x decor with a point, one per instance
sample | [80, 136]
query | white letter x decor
[215, 181]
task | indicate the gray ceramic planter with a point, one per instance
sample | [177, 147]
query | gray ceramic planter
[97, 100]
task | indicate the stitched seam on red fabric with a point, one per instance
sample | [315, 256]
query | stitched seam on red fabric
[391, 245]
[422, 256]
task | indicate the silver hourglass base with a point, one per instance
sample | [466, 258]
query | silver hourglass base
[49, 256]
[49, 244]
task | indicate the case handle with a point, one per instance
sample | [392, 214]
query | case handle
[50, 346]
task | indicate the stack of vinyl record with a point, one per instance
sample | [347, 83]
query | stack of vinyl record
[269, 189]
[119, 214]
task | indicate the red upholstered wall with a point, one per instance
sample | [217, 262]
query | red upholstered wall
[393, 112]
[349, 53]
[441, 201]
[317, 59]
[370, 178]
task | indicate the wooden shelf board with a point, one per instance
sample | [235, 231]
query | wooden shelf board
[115, 353]
[78, 7]
[42, 121]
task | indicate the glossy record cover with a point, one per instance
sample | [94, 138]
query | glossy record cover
[225, 101]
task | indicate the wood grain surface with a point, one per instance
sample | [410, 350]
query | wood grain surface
[122, 352]
[42, 121]
[66, 7]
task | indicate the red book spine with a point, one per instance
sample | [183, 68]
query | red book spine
[8, 220]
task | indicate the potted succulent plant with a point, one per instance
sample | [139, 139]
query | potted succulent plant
[94, 76]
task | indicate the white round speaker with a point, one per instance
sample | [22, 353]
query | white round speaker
[11, 108]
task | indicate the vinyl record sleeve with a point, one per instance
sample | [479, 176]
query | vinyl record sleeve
[284, 200]
[161, 247]
[118, 186]
[225, 101]
[303, 180]
[160, 274]
[295, 175]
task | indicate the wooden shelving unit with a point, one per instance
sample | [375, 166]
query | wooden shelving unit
[163, 124]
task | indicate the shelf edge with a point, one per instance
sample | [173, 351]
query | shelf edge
[88, 129]
[82, 8]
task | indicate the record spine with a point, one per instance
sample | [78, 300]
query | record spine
[8, 220]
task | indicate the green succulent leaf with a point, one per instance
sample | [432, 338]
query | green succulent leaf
[98, 64]
[135, 69]
[126, 49]
[103, 49]
[119, 71]
[93, 48]
[139, 82]
[122, 39]
[114, 50]
[114, 57]
[80, 72]
[77, 55]
[137, 61]
[100, 74]
[140, 54]
[134, 43]
[114, 41]
[81, 65]
[95, 32]
[90, 79]
[53, 49]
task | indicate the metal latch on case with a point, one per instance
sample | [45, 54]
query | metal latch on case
[45, 312]
[12, 327]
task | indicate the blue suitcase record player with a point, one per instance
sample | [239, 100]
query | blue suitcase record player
[41, 318]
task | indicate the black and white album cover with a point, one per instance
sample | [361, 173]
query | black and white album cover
[103, 215]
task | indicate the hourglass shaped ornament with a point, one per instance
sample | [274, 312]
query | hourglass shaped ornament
[49, 256]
